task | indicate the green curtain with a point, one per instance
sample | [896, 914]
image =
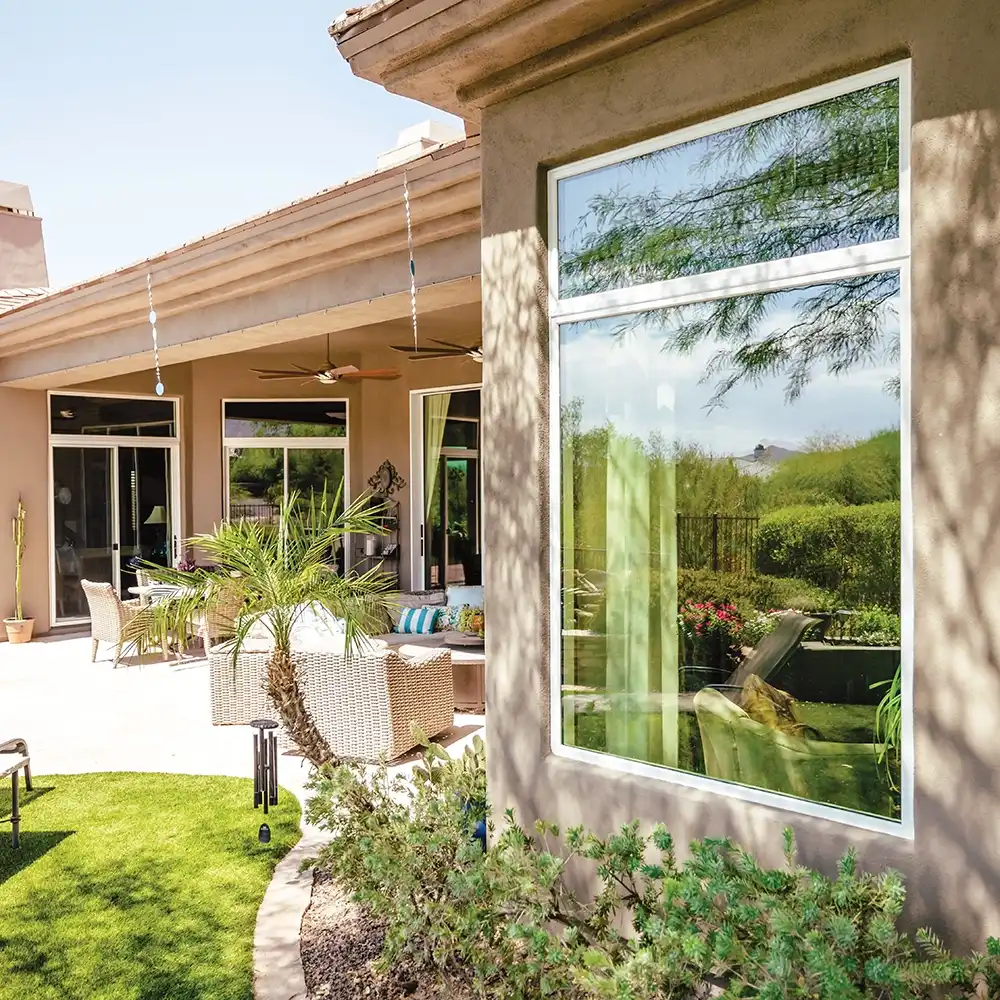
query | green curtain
[642, 654]
[435, 416]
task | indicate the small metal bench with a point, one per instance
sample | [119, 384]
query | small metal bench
[23, 763]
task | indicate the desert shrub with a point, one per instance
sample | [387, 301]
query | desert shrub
[503, 924]
[864, 472]
[852, 551]
[753, 593]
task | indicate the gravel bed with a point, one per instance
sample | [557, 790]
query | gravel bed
[338, 942]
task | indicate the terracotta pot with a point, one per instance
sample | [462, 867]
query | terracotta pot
[19, 629]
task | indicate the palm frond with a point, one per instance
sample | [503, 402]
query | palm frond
[273, 573]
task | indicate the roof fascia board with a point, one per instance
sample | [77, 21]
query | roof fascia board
[354, 199]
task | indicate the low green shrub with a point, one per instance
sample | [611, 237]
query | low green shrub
[852, 551]
[504, 924]
[869, 626]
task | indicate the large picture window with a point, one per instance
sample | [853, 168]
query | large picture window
[730, 482]
[276, 447]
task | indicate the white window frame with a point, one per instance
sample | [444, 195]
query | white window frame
[111, 441]
[418, 558]
[796, 272]
[286, 443]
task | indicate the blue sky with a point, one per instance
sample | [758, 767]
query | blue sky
[140, 126]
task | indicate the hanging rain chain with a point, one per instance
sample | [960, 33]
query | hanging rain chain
[413, 268]
[152, 325]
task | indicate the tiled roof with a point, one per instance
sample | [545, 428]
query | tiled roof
[356, 14]
[11, 298]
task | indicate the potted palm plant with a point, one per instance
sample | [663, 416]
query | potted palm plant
[18, 627]
[269, 575]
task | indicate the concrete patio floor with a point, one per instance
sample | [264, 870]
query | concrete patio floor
[152, 715]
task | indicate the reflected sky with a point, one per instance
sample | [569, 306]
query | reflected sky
[630, 380]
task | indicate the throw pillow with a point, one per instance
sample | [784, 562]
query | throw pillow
[447, 621]
[474, 596]
[418, 621]
[471, 620]
[418, 599]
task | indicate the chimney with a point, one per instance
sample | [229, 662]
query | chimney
[22, 252]
[417, 140]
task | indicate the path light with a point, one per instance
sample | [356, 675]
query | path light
[264, 834]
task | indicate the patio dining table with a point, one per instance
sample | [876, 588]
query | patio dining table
[160, 593]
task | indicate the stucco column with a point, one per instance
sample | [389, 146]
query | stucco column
[24, 461]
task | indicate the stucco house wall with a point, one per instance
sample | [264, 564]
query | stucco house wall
[757, 52]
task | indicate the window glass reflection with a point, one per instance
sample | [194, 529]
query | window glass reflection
[822, 177]
[731, 538]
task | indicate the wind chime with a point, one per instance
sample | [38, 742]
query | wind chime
[152, 326]
[413, 291]
[413, 268]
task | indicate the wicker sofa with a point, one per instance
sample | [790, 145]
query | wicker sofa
[468, 665]
[363, 704]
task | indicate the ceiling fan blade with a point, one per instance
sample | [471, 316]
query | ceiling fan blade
[436, 355]
[455, 347]
[416, 350]
[385, 373]
[275, 376]
[281, 371]
[342, 370]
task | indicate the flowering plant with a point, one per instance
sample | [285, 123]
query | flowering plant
[708, 619]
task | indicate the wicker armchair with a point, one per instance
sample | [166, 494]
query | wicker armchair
[109, 617]
[362, 704]
[219, 621]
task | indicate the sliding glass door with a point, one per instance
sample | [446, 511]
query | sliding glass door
[447, 492]
[114, 496]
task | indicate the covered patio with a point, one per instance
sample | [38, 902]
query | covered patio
[111, 473]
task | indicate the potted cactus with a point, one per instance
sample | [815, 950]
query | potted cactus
[19, 628]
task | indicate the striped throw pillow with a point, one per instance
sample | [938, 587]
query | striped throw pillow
[418, 621]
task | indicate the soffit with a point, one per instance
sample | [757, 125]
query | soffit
[464, 55]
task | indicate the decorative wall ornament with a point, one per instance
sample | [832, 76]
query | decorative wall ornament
[386, 480]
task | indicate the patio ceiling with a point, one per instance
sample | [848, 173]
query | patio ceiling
[330, 263]
[464, 55]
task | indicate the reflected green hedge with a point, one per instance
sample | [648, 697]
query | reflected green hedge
[852, 552]
[751, 593]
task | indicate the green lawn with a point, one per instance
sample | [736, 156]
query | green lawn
[135, 887]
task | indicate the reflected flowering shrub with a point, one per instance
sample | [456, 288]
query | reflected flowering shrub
[708, 619]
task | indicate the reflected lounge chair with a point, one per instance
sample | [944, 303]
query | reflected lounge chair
[739, 749]
[767, 658]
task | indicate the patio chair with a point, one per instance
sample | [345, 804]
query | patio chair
[109, 617]
[22, 763]
[219, 620]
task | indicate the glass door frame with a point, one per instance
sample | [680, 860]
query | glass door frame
[112, 442]
[418, 517]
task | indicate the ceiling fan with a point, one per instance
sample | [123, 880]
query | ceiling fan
[446, 350]
[329, 374]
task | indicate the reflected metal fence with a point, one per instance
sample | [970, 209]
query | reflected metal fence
[720, 542]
